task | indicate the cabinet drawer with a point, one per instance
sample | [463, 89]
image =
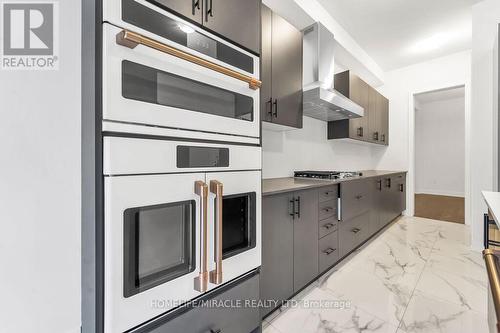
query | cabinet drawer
[328, 251]
[327, 226]
[355, 198]
[327, 209]
[205, 319]
[353, 232]
[328, 193]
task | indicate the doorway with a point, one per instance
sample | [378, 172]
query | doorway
[440, 154]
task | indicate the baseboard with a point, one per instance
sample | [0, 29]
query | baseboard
[443, 193]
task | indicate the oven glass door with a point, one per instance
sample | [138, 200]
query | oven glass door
[152, 254]
[146, 86]
[241, 221]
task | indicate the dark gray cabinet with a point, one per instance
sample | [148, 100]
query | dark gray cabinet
[281, 71]
[289, 244]
[192, 9]
[303, 234]
[236, 20]
[374, 125]
[277, 249]
[305, 238]
[243, 319]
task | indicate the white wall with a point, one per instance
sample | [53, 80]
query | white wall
[485, 19]
[440, 147]
[400, 86]
[309, 149]
[40, 191]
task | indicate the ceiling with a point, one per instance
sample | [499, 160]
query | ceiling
[440, 95]
[398, 33]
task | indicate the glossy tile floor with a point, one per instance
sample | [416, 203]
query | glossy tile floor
[418, 275]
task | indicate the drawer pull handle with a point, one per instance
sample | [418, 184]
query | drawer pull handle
[215, 331]
[328, 226]
[329, 251]
[358, 197]
[131, 40]
[356, 230]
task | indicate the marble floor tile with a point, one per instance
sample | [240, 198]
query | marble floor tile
[417, 275]
[467, 292]
[469, 265]
[427, 315]
[315, 317]
[384, 298]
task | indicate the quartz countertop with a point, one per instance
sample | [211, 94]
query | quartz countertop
[493, 201]
[288, 184]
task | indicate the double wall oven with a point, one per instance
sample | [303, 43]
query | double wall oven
[181, 163]
[164, 72]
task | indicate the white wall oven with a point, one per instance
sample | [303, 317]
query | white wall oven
[181, 218]
[162, 71]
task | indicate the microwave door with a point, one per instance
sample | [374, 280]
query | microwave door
[157, 251]
[235, 227]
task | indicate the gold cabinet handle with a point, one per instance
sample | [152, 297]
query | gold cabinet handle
[201, 281]
[131, 40]
[494, 278]
[216, 188]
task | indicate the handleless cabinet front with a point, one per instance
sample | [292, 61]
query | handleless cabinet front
[305, 231]
[277, 249]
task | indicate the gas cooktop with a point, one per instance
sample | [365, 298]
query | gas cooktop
[327, 174]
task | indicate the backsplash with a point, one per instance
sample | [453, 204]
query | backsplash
[308, 148]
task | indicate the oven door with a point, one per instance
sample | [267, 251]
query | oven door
[154, 250]
[148, 87]
[235, 206]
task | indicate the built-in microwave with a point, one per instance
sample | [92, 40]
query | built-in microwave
[181, 218]
[162, 71]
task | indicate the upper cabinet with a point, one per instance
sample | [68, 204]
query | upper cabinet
[281, 72]
[236, 20]
[374, 125]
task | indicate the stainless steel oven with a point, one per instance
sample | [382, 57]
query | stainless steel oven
[163, 71]
[181, 218]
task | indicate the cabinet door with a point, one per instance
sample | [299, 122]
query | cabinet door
[237, 20]
[400, 194]
[376, 190]
[384, 120]
[192, 9]
[266, 106]
[277, 256]
[359, 94]
[374, 121]
[305, 241]
[286, 73]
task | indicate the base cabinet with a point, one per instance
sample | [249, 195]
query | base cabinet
[289, 244]
[206, 319]
[306, 233]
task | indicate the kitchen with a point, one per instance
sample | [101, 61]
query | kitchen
[242, 167]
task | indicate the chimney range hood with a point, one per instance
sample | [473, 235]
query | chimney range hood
[320, 99]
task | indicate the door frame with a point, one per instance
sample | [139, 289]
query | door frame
[411, 146]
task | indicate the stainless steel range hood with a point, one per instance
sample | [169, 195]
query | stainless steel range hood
[321, 100]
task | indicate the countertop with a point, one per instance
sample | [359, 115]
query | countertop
[493, 201]
[282, 185]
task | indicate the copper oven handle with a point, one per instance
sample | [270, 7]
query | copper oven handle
[216, 188]
[201, 281]
[131, 40]
[494, 278]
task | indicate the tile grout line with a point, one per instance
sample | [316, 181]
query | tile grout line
[416, 284]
